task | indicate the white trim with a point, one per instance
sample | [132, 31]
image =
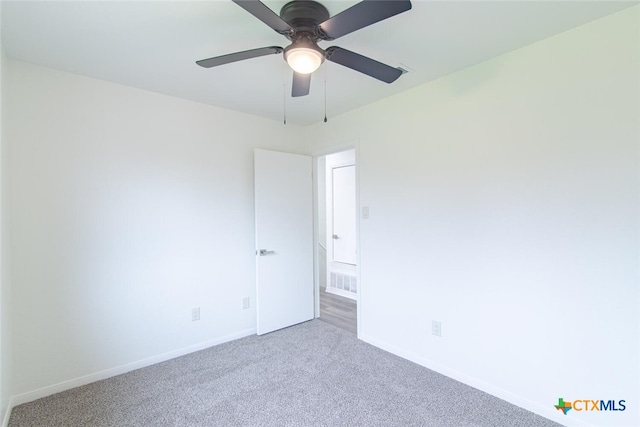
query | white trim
[529, 405]
[344, 159]
[316, 242]
[118, 370]
[326, 151]
[359, 298]
[7, 413]
[342, 293]
[351, 144]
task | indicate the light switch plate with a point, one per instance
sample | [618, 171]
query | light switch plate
[365, 212]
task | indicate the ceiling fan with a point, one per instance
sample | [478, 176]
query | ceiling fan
[305, 23]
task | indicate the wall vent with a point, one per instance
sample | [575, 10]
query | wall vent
[343, 282]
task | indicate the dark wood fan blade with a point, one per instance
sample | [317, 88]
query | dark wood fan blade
[360, 15]
[301, 84]
[365, 65]
[238, 56]
[266, 15]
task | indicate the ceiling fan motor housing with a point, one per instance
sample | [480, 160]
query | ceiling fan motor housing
[303, 16]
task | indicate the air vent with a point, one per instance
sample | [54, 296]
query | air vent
[343, 282]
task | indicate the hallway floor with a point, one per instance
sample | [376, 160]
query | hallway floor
[338, 311]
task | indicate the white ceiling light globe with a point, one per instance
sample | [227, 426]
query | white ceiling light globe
[304, 60]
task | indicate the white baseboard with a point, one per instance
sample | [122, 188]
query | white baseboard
[342, 293]
[444, 370]
[7, 413]
[118, 370]
[529, 405]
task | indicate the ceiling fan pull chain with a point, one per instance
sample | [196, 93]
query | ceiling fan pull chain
[325, 92]
[284, 94]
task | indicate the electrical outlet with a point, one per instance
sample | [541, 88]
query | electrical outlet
[436, 328]
[246, 303]
[195, 314]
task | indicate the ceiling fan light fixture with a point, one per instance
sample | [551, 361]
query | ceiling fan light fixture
[305, 23]
[303, 58]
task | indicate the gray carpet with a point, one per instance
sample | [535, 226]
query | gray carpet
[312, 374]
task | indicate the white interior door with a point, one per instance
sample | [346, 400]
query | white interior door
[284, 239]
[344, 214]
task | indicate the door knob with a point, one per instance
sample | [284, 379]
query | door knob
[264, 252]
[335, 236]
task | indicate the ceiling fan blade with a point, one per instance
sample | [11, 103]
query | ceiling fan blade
[266, 15]
[238, 56]
[365, 65]
[301, 84]
[360, 15]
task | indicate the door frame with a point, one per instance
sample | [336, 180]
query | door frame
[331, 212]
[352, 145]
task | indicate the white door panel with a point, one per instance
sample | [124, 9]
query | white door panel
[344, 214]
[284, 231]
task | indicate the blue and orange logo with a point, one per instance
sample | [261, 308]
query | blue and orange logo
[590, 405]
[563, 406]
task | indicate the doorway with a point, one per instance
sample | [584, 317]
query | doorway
[337, 240]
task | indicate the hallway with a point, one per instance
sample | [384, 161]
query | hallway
[338, 311]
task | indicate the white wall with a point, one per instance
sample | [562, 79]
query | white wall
[127, 209]
[5, 330]
[504, 203]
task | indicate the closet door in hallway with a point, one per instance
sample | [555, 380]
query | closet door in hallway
[344, 214]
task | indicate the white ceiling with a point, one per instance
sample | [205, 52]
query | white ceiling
[153, 45]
